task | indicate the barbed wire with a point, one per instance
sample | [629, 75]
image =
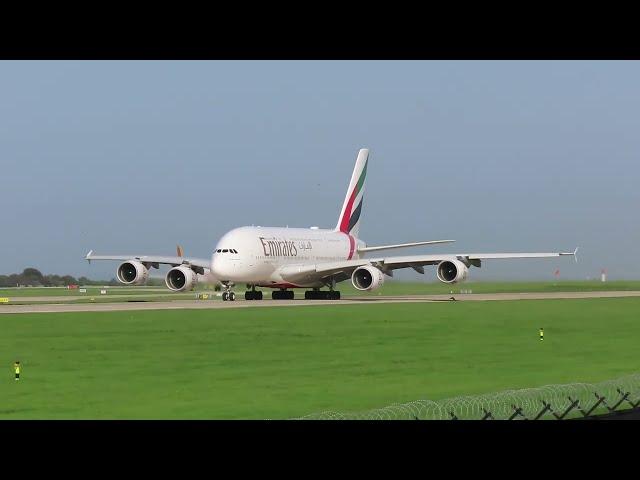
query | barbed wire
[548, 401]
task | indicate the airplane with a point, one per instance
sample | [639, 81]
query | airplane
[283, 259]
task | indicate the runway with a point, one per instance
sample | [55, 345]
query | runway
[354, 300]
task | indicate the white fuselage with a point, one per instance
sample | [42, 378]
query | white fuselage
[263, 253]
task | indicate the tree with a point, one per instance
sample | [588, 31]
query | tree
[31, 276]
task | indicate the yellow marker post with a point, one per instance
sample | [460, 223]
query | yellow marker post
[4, 300]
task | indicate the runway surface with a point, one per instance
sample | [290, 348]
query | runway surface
[355, 300]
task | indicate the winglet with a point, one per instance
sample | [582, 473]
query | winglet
[88, 256]
[574, 253]
[179, 251]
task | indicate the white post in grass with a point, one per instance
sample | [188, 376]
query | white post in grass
[603, 275]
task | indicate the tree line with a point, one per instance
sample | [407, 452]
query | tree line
[34, 278]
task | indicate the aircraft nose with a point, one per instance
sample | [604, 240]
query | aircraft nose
[222, 268]
[215, 267]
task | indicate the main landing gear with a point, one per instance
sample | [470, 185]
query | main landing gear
[322, 295]
[253, 294]
[282, 295]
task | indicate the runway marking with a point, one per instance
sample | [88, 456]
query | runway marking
[355, 300]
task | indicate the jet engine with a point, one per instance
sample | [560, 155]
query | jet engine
[179, 279]
[367, 278]
[452, 271]
[132, 272]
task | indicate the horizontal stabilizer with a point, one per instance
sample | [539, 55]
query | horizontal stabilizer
[402, 245]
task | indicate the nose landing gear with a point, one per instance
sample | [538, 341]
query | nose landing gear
[228, 294]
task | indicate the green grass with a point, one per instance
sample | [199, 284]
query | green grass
[433, 288]
[291, 361]
[118, 294]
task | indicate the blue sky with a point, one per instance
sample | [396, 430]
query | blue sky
[136, 156]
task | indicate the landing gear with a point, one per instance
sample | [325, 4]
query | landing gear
[282, 295]
[317, 294]
[228, 294]
[322, 295]
[253, 294]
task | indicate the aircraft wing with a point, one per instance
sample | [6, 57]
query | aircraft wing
[417, 262]
[403, 245]
[154, 260]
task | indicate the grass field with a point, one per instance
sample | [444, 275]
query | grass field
[434, 288]
[288, 362]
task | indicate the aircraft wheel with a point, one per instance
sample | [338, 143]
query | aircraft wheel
[248, 295]
[232, 296]
[225, 296]
[258, 295]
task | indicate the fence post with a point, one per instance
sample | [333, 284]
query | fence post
[624, 397]
[595, 405]
[573, 405]
[633, 405]
[487, 415]
[547, 407]
[604, 402]
[517, 411]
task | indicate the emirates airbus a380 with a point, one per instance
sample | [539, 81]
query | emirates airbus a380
[311, 258]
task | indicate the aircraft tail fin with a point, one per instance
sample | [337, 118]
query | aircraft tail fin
[349, 220]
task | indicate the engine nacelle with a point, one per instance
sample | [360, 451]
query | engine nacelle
[179, 279]
[132, 272]
[452, 271]
[367, 278]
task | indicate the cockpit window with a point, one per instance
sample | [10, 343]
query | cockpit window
[225, 250]
[233, 250]
[218, 250]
